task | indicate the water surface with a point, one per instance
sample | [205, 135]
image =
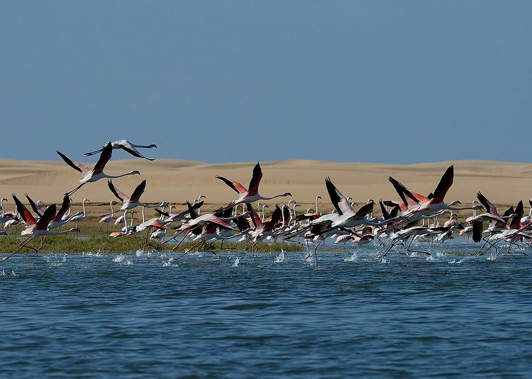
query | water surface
[269, 314]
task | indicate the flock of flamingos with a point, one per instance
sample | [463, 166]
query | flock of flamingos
[412, 218]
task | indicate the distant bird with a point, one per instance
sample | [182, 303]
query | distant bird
[97, 172]
[252, 193]
[133, 201]
[127, 146]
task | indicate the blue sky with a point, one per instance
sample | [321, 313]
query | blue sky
[244, 81]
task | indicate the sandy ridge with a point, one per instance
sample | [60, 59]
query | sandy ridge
[177, 181]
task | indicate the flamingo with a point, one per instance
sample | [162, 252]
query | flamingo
[127, 146]
[4, 217]
[108, 218]
[60, 218]
[80, 216]
[347, 216]
[252, 193]
[415, 205]
[133, 201]
[35, 228]
[97, 172]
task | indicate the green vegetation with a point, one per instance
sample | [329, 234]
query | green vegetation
[91, 239]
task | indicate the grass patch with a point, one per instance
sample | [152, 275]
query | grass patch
[92, 240]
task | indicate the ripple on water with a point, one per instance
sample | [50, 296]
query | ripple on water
[93, 315]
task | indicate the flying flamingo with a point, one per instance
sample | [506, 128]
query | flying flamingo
[252, 193]
[415, 205]
[97, 172]
[133, 201]
[59, 218]
[34, 228]
[127, 146]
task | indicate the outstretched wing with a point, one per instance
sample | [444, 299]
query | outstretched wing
[237, 187]
[72, 163]
[47, 217]
[24, 212]
[105, 156]
[34, 206]
[255, 180]
[131, 150]
[63, 209]
[120, 195]
[138, 192]
[339, 201]
[443, 186]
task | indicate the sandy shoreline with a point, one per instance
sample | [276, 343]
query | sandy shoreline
[177, 181]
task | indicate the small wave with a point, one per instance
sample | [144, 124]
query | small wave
[352, 258]
[119, 258]
[170, 263]
[454, 261]
[91, 254]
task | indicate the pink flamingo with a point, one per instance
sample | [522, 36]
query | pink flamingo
[252, 193]
[97, 172]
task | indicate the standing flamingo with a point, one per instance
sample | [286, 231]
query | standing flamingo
[81, 215]
[107, 218]
[97, 172]
[252, 193]
[127, 146]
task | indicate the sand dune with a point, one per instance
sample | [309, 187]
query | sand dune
[177, 181]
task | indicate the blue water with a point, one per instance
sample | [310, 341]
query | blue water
[263, 315]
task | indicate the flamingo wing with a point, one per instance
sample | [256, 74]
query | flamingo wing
[365, 210]
[138, 191]
[516, 220]
[445, 183]
[339, 201]
[237, 187]
[24, 212]
[408, 197]
[218, 221]
[34, 206]
[120, 195]
[128, 147]
[105, 156]
[74, 164]
[276, 217]
[47, 217]
[64, 207]
[255, 180]
[490, 208]
[255, 219]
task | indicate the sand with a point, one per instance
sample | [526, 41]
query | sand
[178, 181]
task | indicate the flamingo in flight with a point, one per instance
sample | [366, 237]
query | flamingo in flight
[97, 172]
[415, 205]
[127, 146]
[252, 193]
[35, 228]
[133, 201]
